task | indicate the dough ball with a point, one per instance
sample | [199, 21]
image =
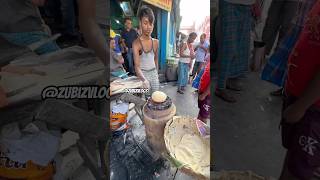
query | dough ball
[159, 97]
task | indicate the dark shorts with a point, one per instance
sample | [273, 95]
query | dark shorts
[205, 107]
[196, 67]
[302, 140]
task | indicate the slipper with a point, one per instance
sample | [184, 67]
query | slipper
[224, 96]
[233, 87]
[180, 92]
[277, 92]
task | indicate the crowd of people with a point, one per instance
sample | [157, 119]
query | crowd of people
[293, 64]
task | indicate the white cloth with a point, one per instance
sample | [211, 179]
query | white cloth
[30, 144]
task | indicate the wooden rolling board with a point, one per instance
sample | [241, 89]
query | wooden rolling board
[71, 54]
[118, 86]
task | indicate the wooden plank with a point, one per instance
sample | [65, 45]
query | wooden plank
[69, 117]
[34, 93]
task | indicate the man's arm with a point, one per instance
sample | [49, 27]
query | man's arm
[90, 29]
[196, 48]
[311, 94]
[119, 59]
[203, 95]
[205, 49]
[156, 57]
[295, 112]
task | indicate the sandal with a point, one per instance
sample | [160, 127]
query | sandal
[233, 86]
[278, 92]
[180, 92]
[225, 96]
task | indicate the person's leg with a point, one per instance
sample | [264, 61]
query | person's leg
[278, 92]
[180, 77]
[69, 16]
[227, 50]
[186, 75]
[272, 25]
[240, 66]
[195, 69]
[289, 11]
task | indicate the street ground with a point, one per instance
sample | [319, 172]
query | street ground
[246, 134]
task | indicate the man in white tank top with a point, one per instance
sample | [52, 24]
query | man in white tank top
[145, 51]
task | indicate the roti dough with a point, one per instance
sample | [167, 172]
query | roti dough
[192, 151]
[159, 97]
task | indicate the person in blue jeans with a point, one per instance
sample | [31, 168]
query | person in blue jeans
[129, 35]
[69, 17]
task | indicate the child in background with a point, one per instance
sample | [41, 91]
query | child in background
[116, 61]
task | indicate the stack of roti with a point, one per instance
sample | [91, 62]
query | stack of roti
[185, 144]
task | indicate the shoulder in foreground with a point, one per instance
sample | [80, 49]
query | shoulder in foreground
[136, 43]
[156, 41]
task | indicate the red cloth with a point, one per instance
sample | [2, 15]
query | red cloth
[304, 61]
[205, 79]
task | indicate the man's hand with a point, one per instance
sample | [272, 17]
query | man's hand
[146, 84]
[3, 98]
[39, 2]
[294, 113]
